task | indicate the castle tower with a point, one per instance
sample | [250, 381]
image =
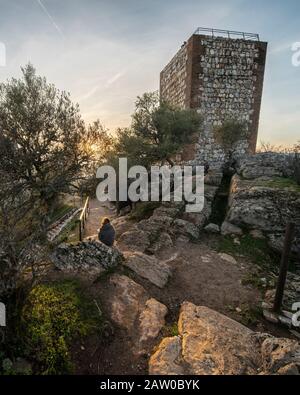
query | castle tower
[220, 74]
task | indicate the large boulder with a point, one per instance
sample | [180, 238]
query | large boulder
[267, 205]
[201, 218]
[210, 343]
[149, 267]
[155, 225]
[186, 228]
[228, 229]
[134, 240]
[161, 247]
[264, 164]
[212, 228]
[132, 309]
[89, 258]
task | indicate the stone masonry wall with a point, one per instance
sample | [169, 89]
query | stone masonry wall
[223, 79]
[174, 82]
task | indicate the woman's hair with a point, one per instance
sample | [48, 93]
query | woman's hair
[105, 221]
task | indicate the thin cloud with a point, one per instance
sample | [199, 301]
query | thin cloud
[89, 94]
[115, 78]
[50, 17]
[281, 48]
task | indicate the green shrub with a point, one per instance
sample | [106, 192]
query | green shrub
[54, 315]
[229, 133]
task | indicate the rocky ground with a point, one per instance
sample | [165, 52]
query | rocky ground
[172, 301]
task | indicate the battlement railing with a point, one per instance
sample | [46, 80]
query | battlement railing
[227, 33]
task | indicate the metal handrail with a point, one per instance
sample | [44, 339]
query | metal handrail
[228, 33]
[83, 217]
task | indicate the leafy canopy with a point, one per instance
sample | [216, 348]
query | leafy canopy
[158, 131]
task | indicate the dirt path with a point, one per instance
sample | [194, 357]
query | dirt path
[200, 276]
[98, 210]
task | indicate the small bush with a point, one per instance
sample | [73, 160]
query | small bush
[54, 315]
[229, 133]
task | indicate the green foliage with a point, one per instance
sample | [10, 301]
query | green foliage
[46, 149]
[171, 330]
[229, 133]
[158, 131]
[54, 315]
[281, 183]
[143, 210]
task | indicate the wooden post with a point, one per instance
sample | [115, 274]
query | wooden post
[80, 230]
[289, 234]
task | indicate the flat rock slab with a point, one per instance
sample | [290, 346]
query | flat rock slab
[168, 359]
[134, 240]
[89, 258]
[132, 309]
[149, 267]
[210, 343]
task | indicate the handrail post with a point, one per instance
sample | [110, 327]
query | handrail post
[79, 230]
[83, 217]
[289, 234]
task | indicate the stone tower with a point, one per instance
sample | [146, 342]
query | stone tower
[220, 74]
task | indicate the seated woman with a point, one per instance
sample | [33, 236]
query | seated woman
[107, 233]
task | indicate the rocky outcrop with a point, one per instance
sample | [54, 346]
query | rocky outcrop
[122, 225]
[161, 245]
[210, 343]
[149, 267]
[212, 228]
[132, 309]
[134, 240]
[186, 228]
[291, 292]
[201, 218]
[228, 229]
[263, 198]
[89, 258]
[266, 164]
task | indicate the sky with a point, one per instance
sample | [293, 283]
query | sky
[107, 52]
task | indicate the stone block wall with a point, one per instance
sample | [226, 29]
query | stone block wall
[173, 85]
[222, 78]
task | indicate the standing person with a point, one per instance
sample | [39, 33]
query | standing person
[107, 233]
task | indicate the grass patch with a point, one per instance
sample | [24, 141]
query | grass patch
[281, 183]
[257, 250]
[143, 210]
[171, 330]
[248, 315]
[53, 316]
